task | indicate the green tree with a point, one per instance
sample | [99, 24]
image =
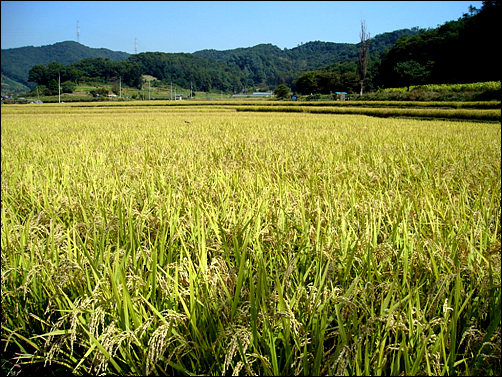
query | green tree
[412, 72]
[328, 82]
[349, 82]
[55, 69]
[38, 74]
[53, 88]
[68, 87]
[282, 91]
[74, 74]
[307, 83]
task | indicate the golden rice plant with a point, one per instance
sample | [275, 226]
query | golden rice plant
[155, 240]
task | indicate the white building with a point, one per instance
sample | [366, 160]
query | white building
[255, 94]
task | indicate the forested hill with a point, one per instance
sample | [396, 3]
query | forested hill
[266, 63]
[317, 52]
[264, 66]
[460, 51]
[17, 62]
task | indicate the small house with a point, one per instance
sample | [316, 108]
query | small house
[340, 96]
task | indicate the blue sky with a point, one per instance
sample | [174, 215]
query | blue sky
[189, 26]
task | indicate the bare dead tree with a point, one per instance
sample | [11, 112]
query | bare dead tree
[363, 55]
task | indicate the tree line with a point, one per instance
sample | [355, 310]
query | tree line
[90, 69]
[457, 52]
[261, 67]
[184, 70]
[461, 51]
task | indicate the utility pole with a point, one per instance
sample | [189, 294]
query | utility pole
[59, 87]
[190, 89]
[148, 90]
[171, 92]
[120, 86]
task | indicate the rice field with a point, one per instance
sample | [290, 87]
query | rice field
[201, 240]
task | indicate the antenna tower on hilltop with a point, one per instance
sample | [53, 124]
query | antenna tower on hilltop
[78, 32]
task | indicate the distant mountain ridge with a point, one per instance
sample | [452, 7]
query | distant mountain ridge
[268, 63]
[263, 63]
[17, 62]
[378, 44]
[460, 51]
